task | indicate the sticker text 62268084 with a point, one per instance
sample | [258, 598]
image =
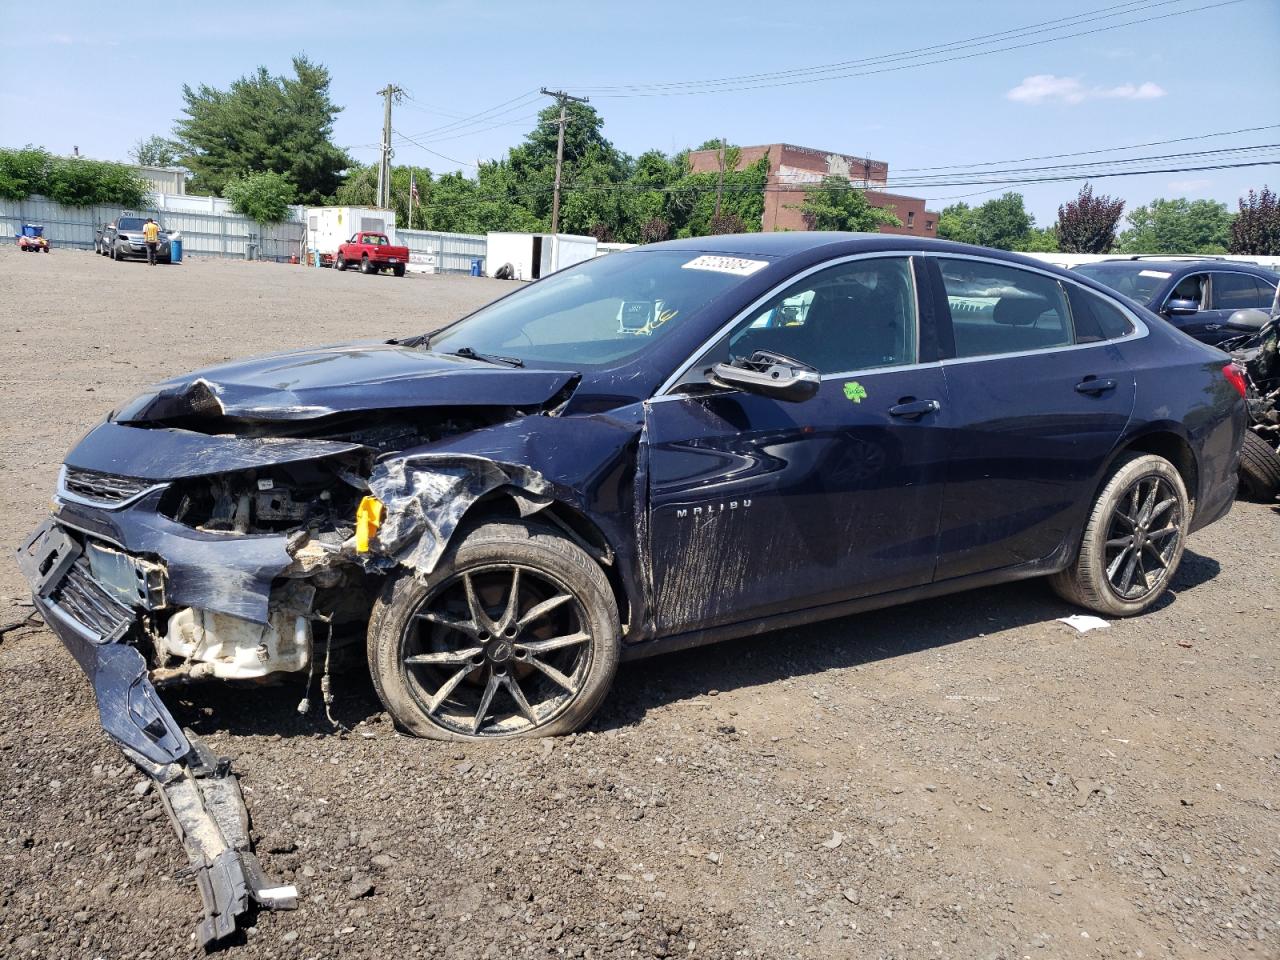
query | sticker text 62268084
[736, 265]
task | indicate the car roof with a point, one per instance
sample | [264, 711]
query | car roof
[1184, 265]
[832, 243]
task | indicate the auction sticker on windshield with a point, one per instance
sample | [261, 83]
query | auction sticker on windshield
[735, 265]
[1155, 273]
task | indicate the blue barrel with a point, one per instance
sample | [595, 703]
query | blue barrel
[476, 265]
[175, 251]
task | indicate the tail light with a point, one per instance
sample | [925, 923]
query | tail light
[1235, 377]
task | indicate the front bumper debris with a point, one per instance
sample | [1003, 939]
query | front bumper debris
[200, 793]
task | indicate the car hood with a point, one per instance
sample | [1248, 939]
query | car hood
[318, 382]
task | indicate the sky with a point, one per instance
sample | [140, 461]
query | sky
[112, 74]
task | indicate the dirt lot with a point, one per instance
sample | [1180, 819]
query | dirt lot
[958, 778]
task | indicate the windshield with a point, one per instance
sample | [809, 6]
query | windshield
[130, 223]
[601, 311]
[1132, 278]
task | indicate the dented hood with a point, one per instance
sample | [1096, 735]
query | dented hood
[321, 381]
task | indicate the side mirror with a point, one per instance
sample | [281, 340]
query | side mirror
[1249, 319]
[1182, 308]
[769, 375]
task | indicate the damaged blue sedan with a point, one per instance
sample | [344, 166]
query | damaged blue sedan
[680, 444]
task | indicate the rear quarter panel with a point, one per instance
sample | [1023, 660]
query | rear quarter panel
[1181, 389]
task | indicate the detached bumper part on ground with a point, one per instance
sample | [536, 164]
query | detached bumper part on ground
[200, 793]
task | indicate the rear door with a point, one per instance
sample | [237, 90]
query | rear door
[1039, 397]
[759, 506]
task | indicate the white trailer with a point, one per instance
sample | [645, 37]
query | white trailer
[330, 227]
[533, 255]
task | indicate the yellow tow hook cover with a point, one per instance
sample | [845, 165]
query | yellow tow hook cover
[368, 518]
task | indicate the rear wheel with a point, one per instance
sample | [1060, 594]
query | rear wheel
[515, 634]
[1133, 540]
[398, 269]
[1259, 469]
[365, 265]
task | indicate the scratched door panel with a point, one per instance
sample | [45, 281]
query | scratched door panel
[760, 506]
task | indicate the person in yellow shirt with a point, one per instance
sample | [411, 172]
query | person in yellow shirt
[151, 236]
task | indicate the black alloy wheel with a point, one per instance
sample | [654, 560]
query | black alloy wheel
[515, 633]
[497, 650]
[1143, 538]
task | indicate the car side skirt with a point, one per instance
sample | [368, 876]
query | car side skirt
[799, 618]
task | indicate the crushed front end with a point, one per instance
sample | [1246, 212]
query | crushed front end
[152, 571]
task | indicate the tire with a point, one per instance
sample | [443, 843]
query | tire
[1259, 469]
[398, 269]
[339, 264]
[1150, 489]
[465, 691]
[365, 265]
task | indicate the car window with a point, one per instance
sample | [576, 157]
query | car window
[1001, 309]
[1190, 288]
[1238, 291]
[130, 223]
[1134, 279]
[853, 316]
[1096, 318]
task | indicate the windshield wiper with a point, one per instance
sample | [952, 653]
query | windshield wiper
[486, 357]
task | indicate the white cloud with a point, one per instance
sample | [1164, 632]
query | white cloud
[1188, 186]
[1046, 88]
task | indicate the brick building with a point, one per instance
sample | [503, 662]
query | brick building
[792, 168]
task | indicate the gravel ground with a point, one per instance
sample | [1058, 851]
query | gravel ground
[957, 778]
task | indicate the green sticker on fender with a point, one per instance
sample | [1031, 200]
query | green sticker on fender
[854, 391]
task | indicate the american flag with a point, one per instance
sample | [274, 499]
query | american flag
[413, 187]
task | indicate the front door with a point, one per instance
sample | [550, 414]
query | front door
[760, 506]
[1039, 398]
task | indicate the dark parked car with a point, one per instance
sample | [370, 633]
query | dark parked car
[1196, 295]
[680, 444]
[103, 238]
[123, 240]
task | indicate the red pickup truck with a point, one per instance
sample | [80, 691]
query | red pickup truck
[371, 252]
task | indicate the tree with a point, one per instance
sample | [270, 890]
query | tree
[263, 197]
[263, 123]
[1038, 240]
[1177, 226]
[155, 151]
[1256, 228]
[73, 181]
[1088, 224]
[654, 230]
[956, 223]
[834, 204]
[725, 223]
[361, 189]
[1002, 223]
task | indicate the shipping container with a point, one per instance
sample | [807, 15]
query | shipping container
[529, 256]
[330, 227]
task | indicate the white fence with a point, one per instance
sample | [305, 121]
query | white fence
[431, 252]
[215, 233]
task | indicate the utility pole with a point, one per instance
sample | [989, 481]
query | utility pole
[564, 99]
[720, 181]
[389, 92]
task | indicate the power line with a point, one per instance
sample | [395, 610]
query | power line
[640, 92]
[475, 119]
[1132, 6]
[1086, 153]
[461, 163]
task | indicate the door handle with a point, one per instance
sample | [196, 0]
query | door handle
[1094, 386]
[914, 409]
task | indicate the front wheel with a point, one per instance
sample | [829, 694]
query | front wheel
[1133, 541]
[340, 264]
[515, 634]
